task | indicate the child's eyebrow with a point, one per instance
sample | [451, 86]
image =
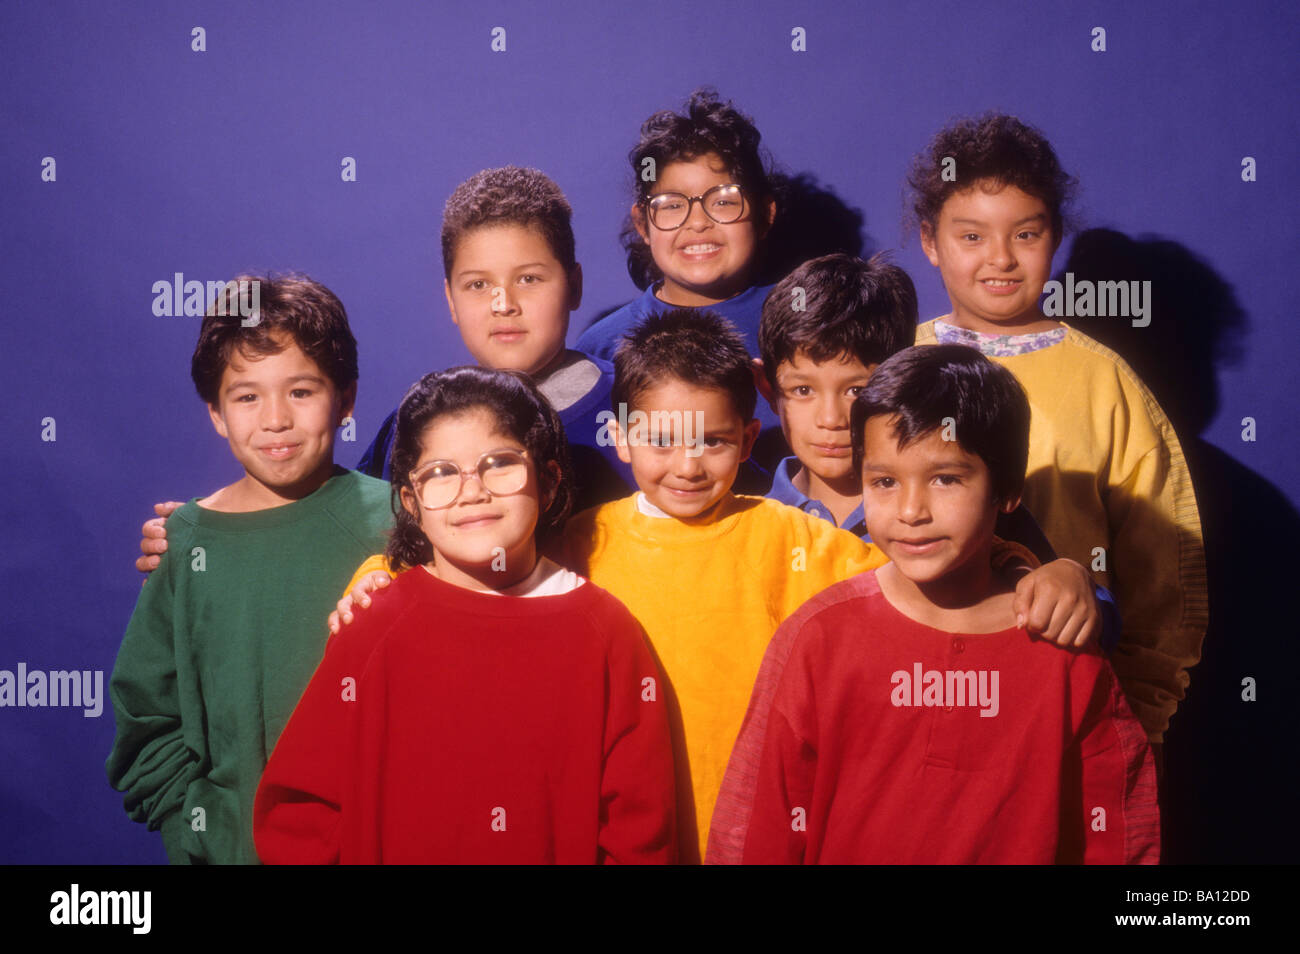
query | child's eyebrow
[464, 272]
[952, 464]
[1036, 217]
[243, 383]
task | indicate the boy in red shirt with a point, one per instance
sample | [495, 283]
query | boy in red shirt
[907, 719]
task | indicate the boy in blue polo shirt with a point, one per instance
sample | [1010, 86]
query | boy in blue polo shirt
[825, 329]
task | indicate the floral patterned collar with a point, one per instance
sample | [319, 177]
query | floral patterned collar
[997, 346]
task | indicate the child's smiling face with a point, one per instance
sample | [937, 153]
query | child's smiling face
[929, 506]
[994, 251]
[511, 297]
[279, 413]
[480, 540]
[684, 481]
[703, 262]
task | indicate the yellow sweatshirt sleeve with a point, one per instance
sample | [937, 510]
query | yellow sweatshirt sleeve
[373, 563]
[1158, 567]
[822, 556]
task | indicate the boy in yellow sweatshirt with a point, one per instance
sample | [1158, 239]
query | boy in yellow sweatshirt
[709, 574]
[1106, 478]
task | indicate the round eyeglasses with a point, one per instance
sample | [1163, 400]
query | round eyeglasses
[438, 483]
[724, 204]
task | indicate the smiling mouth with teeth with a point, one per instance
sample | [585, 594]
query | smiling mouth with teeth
[700, 249]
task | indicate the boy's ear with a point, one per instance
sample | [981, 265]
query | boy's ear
[218, 421]
[451, 306]
[928, 244]
[1010, 504]
[575, 287]
[347, 403]
[620, 441]
[638, 221]
[763, 384]
[750, 436]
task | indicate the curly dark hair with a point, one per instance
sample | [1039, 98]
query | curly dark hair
[509, 195]
[293, 305]
[865, 310]
[520, 410]
[708, 125]
[694, 345]
[994, 147]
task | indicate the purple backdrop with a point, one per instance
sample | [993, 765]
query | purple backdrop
[170, 160]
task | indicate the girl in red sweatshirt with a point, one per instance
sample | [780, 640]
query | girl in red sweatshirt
[494, 707]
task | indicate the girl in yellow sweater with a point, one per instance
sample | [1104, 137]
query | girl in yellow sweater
[1106, 478]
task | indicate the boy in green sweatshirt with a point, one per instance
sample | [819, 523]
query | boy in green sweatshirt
[229, 629]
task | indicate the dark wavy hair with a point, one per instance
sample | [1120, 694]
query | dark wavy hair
[707, 125]
[994, 147]
[520, 411]
[293, 305]
[922, 385]
[850, 308]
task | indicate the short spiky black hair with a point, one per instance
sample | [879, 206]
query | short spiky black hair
[708, 125]
[921, 386]
[509, 196]
[696, 346]
[996, 148]
[847, 308]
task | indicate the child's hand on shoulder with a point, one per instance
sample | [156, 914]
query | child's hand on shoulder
[153, 537]
[1057, 602]
[358, 597]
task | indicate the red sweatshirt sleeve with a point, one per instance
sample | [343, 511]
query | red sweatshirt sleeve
[778, 824]
[782, 787]
[1120, 821]
[638, 796]
[297, 811]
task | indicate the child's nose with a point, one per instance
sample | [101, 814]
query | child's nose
[503, 301]
[686, 461]
[276, 414]
[697, 219]
[1001, 253]
[913, 505]
[831, 414]
[471, 488]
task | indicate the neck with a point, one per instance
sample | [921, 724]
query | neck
[682, 296]
[249, 494]
[515, 568]
[1031, 322]
[842, 495]
[971, 599]
[562, 357]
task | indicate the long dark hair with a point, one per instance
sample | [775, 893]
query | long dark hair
[520, 411]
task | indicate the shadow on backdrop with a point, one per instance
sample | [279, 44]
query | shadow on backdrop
[1230, 774]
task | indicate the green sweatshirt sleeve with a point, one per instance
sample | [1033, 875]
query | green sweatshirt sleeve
[150, 761]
